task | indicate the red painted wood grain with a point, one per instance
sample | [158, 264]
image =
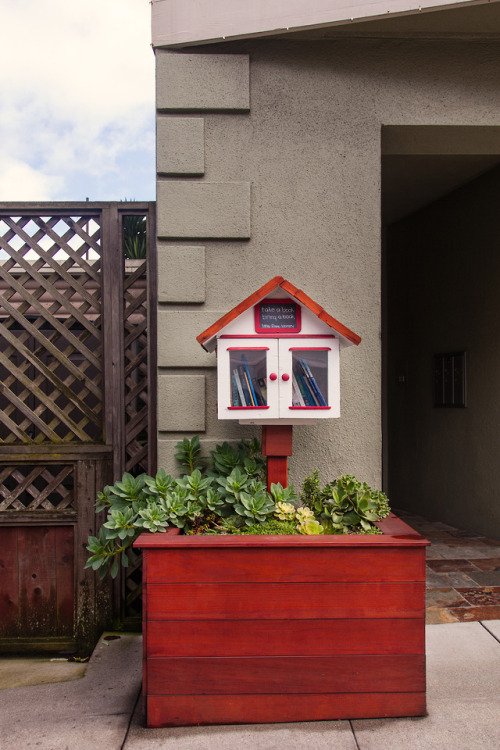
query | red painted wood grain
[284, 637]
[268, 601]
[9, 583]
[189, 710]
[261, 629]
[65, 579]
[37, 581]
[282, 564]
[395, 533]
[286, 674]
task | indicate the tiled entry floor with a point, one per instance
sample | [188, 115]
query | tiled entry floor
[463, 572]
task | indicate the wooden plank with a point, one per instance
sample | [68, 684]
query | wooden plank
[268, 601]
[286, 674]
[85, 604]
[145, 638]
[37, 645]
[277, 440]
[65, 578]
[190, 710]
[283, 564]
[395, 533]
[106, 606]
[280, 637]
[54, 453]
[112, 319]
[37, 580]
[9, 583]
[39, 517]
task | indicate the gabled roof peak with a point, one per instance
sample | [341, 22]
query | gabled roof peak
[276, 283]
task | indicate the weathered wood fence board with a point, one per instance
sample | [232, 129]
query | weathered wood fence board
[76, 372]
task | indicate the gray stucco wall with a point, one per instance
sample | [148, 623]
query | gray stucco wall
[444, 281]
[291, 185]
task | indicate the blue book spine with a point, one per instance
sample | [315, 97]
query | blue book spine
[306, 393]
[234, 391]
[246, 393]
[245, 365]
[312, 383]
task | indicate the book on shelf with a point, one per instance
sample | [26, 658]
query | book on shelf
[245, 387]
[311, 382]
[261, 401]
[304, 390]
[247, 391]
[249, 379]
[235, 399]
[297, 397]
[263, 388]
[239, 388]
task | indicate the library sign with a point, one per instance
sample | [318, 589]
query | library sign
[277, 316]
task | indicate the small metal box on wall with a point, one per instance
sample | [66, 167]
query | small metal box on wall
[278, 358]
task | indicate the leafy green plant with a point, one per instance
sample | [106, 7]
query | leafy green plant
[134, 229]
[225, 494]
[310, 526]
[255, 507]
[189, 454]
[345, 506]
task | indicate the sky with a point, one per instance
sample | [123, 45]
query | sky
[76, 100]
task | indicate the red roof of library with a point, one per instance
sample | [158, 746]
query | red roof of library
[290, 289]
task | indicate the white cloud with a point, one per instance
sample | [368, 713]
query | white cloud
[20, 182]
[78, 98]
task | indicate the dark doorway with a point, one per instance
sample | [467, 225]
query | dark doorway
[442, 324]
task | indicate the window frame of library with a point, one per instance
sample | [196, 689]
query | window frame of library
[279, 361]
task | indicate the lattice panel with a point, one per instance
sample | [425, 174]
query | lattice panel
[136, 370]
[27, 487]
[133, 589]
[50, 329]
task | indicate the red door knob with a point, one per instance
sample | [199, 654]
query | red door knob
[273, 376]
[285, 376]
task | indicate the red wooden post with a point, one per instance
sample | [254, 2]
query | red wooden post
[277, 446]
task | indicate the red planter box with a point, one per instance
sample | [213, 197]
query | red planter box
[259, 629]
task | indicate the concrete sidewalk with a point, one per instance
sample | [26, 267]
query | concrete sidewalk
[103, 708]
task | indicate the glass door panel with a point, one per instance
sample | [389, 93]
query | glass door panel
[310, 378]
[248, 378]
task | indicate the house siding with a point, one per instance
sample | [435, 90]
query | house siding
[310, 149]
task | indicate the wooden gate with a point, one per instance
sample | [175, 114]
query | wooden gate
[77, 389]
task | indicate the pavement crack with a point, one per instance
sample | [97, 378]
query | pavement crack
[132, 714]
[489, 631]
[354, 735]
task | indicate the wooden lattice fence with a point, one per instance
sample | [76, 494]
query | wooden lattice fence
[77, 388]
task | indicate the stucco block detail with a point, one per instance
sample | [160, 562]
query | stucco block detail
[180, 145]
[202, 82]
[181, 273]
[177, 332]
[205, 210]
[181, 403]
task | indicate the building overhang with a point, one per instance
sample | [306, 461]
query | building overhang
[179, 23]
